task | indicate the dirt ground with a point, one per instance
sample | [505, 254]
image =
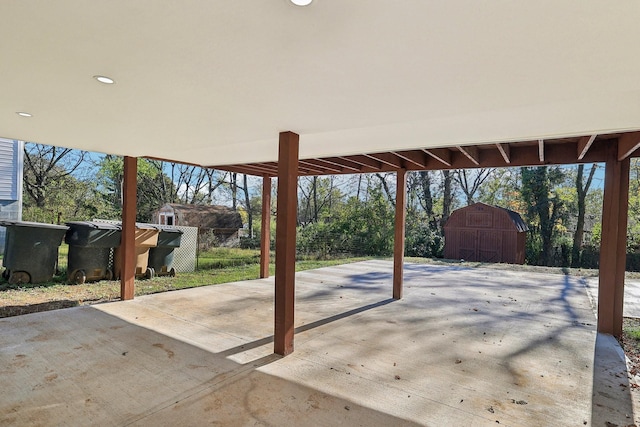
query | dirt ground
[630, 343]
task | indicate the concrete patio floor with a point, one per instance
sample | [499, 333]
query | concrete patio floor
[464, 347]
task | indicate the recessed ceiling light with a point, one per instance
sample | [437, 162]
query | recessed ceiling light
[23, 114]
[301, 2]
[104, 79]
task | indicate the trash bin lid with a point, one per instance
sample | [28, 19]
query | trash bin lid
[7, 223]
[144, 226]
[168, 229]
[94, 224]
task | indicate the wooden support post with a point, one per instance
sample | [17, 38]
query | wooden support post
[613, 244]
[621, 249]
[398, 241]
[286, 242]
[265, 236]
[128, 252]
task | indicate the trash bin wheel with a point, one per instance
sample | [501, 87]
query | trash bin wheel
[19, 277]
[108, 275]
[150, 273]
[5, 274]
[78, 277]
[172, 272]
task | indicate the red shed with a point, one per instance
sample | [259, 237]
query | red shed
[485, 233]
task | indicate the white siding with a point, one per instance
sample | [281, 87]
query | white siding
[11, 157]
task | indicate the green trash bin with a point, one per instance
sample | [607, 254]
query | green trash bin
[90, 246]
[31, 251]
[161, 257]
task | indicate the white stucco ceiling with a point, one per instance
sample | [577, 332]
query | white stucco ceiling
[214, 82]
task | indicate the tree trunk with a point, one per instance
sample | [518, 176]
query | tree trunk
[314, 189]
[447, 197]
[234, 191]
[387, 191]
[247, 204]
[582, 195]
[427, 197]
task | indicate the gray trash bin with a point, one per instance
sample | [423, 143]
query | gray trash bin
[90, 246]
[31, 251]
[161, 257]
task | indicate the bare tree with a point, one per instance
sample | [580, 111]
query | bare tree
[46, 164]
[195, 185]
[581, 190]
[447, 196]
[316, 197]
[247, 203]
[385, 187]
[470, 181]
[419, 183]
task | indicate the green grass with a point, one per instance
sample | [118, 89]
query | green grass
[227, 257]
[632, 330]
[630, 339]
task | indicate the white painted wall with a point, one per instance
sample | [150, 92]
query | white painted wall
[11, 169]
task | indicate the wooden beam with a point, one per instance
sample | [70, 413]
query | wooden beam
[304, 164]
[613, 244]
[443, 155]
[627, 144]
[344, 163]
[365, 161]
[398, 241]
[128, 252]
[541, 150]
[250, 170]
[265, 230]
[505, 152]
[332, 166]
[416, 157]
[386, 158]
[286, 242]
[261, 168]
[584, 144]
[471, 152]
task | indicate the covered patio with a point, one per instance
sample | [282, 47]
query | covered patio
[463, 347]
[276, 90]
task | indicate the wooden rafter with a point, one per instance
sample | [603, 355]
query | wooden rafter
[386, 158]
[346, 163]
[567, 150]
[505, 152]
[541, 150]
[310, 166]
[366, 161]
[584, 144]
[471, 152]
[342, 166]
[443, 155]
[627, 144]
[260, 168]
[415, 157]
[327, 168]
